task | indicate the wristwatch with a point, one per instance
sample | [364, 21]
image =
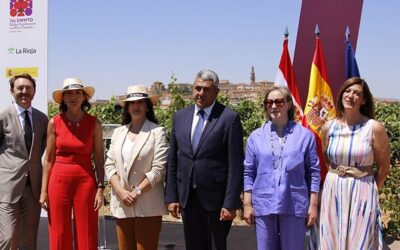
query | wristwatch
[138, 191]
[101, 186]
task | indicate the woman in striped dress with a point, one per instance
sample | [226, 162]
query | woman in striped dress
[350, 213]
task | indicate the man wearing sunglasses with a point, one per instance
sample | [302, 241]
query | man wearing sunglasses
[205, 166]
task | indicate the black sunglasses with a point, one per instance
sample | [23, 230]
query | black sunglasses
[278, 102]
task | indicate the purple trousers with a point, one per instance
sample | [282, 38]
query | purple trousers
[277, 231]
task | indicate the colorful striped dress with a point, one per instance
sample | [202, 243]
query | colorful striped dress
[350, 215]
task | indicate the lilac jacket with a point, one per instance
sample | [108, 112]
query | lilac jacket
[286, 189]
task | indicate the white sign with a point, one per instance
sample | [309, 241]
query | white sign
[23, 47]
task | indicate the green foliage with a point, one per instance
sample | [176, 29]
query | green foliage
[165, 116]
[52, 109]
[251, 115]
[224, 99]
[389, 115]
[106, 113]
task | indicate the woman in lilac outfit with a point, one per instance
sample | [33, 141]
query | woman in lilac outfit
[281, 176]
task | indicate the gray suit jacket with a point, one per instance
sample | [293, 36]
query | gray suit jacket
[15, 162]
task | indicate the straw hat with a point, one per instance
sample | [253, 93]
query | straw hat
[71, 84]
[137, 92]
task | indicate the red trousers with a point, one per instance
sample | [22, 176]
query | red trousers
[72, 189]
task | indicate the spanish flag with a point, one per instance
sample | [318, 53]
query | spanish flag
[320, 106]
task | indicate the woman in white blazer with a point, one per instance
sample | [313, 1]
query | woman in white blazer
[135, 167]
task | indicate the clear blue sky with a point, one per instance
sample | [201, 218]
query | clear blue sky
[114, 44]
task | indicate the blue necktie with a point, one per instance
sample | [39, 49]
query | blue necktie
[198, 130]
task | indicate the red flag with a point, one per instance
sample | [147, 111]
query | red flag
[319, 106]
[285, 77]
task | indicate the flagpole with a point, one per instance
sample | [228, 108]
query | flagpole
[286, 32]
[317, 30]
[285, 77]
[347, 33]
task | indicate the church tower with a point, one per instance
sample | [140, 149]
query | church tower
[252, 76]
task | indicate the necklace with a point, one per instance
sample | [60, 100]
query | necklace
[74, 122]
[276, 163]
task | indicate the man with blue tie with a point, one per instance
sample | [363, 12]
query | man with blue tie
[23, 131]
[205, 166]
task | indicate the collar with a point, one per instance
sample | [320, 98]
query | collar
[21, 110]
[206, 110]
[288, 127]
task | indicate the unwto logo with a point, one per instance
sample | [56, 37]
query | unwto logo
[19, 8]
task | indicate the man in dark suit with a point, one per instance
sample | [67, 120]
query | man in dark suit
[22, 143]
[205, 166]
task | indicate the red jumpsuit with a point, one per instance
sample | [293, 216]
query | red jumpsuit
[72, 186]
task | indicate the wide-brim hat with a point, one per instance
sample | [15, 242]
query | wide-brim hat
[72, 84]
[137, 92]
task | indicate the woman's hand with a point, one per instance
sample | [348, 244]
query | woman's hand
[44, 201]
[99, 199]
[248, 214]
[127, 197]
[312, 215]
[313, 209]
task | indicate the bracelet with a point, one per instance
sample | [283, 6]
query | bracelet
[101, 186]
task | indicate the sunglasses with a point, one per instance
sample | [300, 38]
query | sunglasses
[278, 102]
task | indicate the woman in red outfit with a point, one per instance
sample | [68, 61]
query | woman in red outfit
[69, 179]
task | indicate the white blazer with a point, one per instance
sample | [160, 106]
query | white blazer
[148, 159]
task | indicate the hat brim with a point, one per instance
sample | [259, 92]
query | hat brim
[154, 100]
[57, 94]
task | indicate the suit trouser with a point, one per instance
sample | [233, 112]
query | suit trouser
[140, 233]
[277, 231]
[19, 222]
[67, 193]
[203, 229]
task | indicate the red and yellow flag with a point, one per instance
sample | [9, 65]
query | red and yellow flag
[320, 106]
[285, 77]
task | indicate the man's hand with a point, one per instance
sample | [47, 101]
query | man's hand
[227, 214]
[174, 210]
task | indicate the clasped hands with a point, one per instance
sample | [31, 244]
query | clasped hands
[128, 197]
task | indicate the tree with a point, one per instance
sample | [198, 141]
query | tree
[108, 112]
[388, 114]
[251, 114]
[165, 116]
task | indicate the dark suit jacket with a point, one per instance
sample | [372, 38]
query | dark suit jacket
[218, 159]
[15, 162]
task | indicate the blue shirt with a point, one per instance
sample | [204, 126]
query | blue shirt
[285, 189]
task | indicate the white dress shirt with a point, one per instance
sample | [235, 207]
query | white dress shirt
[207, 113]
[21, 115]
